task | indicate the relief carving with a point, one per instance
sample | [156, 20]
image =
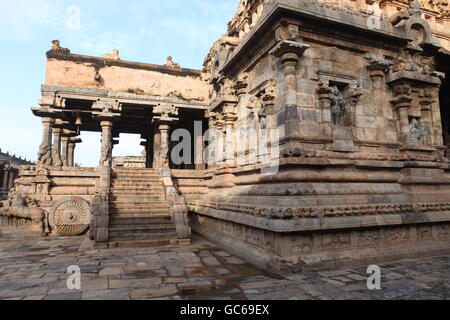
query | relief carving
[397, 235]
[302, 244]
[424, 233]
[442, 231]
[369, 237]
[336, 240]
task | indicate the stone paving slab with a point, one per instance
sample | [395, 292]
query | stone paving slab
[33, 269]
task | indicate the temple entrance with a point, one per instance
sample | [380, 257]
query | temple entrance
[129, 152]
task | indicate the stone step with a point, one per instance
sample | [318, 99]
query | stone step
[139, 192]
[137, 182]
[146, 243]
[144, 228]
[119, 220]
[134, 175]
[138, 187]
[141, 235]
[124, 198]
[143, 205]
[136, 170]
[140, 212]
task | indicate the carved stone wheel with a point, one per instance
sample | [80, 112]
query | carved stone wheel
[70, 216]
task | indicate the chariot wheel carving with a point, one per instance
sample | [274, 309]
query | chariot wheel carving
[70, 216]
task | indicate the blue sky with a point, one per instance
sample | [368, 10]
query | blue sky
[144, 31]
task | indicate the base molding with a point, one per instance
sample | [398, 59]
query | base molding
[286, 253]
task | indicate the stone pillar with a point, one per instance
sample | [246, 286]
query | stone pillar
[211, 136]
[150, 151]
[65, 151]
[289, 53]
[6, 173]
[230, 118]
[402, 103]
[438, 139]
[164, 149]
[56, 148]
[106, 151]
[12, 178]
[199, 149]
[71, 153]
[156, 147]
[45, 150]
[2, 169]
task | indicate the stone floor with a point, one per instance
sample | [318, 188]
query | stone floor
[33, 269]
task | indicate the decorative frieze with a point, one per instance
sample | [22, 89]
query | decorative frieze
[324, 211]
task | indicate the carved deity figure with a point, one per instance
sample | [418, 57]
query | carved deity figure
[417, 133]
[337, 106]
[45, 156]
[262, 114]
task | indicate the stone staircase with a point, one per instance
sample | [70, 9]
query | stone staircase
[140, 214]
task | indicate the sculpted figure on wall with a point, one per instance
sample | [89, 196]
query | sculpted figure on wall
[262, 114]
[417, 134]
[337, 105]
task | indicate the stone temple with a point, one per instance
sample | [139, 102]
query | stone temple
[350, 103]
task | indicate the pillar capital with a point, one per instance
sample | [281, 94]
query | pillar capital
[48, 120]
[106, 123]
[289, 50]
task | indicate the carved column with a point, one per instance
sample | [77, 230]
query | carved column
[65, 151]
[56, 148]
[106, 151]
[437, 131]
[230, 118]
[425, 102]
[45, 150]
[12, 178]
[402, 103]
[289, 53]
[156, 146]
[211, 136]
[2, 169]
[6, 173]
[164, 161]
[199, 149]
[71, 153]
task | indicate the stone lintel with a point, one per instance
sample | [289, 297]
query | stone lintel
[413, 77]
[91, 94]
